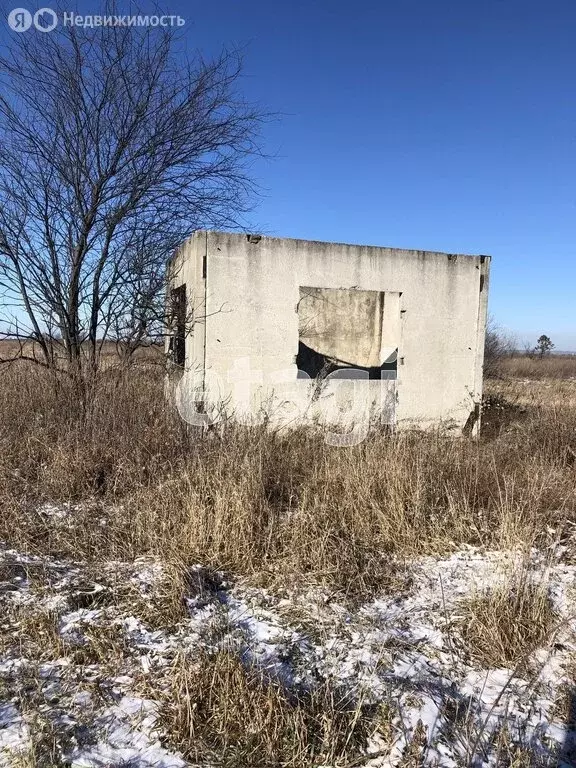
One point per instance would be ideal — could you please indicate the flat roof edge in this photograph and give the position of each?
(225, 233)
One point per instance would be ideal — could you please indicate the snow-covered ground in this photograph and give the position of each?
(402, 648)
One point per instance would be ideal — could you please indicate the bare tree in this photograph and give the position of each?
(114, 148)
(498, 345)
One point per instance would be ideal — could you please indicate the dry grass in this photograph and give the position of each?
(548, 367)
(501, 627)
(159, 608)
(413, 756)
(36, 632)
(509, 754)
(51, 735)
(278, 508)
(218, 708)
(271, 505)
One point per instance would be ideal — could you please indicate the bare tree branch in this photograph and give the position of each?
(114, 149)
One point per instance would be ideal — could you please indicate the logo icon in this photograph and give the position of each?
(19, 20)
(45, 20)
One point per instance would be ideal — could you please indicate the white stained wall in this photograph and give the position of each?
(242, 350)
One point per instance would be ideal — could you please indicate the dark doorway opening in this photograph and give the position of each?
(178, 340)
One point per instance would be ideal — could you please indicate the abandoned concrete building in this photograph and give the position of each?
(326, 333)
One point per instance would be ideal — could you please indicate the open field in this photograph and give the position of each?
(262, 599)
(549, 367)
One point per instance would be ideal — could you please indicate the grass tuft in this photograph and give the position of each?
(219, 708)
(504, 625)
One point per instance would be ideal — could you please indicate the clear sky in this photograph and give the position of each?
(420, 124)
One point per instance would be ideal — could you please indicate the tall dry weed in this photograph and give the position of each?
(263, 503)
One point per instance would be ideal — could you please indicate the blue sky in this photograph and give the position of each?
(436, 125)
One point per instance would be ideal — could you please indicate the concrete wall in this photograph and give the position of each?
(245, 338)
